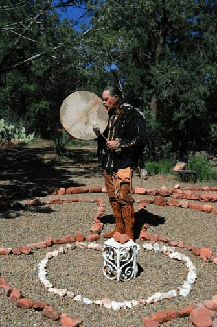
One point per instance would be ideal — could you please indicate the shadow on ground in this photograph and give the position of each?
(27, 172)
(141, 217)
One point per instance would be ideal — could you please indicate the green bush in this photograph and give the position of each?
(8, 132)
(163, 166)
(205, 170)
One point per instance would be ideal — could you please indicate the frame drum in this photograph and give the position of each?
(79, 111)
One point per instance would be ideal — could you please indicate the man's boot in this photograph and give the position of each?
(128, 215)
(118, 219)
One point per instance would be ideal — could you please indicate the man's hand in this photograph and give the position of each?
(96, 129)
(112, 144)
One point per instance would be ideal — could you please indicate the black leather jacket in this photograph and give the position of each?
(127, 125)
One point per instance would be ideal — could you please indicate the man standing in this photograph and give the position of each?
(119, 148)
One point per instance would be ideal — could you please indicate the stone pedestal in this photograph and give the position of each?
(120, 260)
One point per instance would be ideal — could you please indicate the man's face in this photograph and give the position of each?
(109, 101)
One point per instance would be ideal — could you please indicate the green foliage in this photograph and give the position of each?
(160, 167)
(8, 132)
(204, 168)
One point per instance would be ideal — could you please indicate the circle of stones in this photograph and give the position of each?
(184, 290)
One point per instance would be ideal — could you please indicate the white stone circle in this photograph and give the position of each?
(183, 290)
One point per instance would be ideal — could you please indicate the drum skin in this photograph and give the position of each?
(79, 111)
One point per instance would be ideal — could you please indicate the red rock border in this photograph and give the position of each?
(204, 315)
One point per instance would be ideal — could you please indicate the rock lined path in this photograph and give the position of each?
(185, 218)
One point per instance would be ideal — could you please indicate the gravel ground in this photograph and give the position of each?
(27, 173)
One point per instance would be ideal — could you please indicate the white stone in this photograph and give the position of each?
(148, 246)
(186, 285)
(61, 292)
(61, 250)
(191, 277)
(156, 247)
(94, 246)
(184, 292)
(49, 255)
(55, 253)
(116, 305)
(78, 297)
(87, 301)
(68, 246)
(134, 303)
(128, 304)
(170, 294)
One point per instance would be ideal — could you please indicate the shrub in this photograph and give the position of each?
(8, 132)
(205, 170)
(163, 166)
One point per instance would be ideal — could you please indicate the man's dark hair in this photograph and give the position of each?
(113, 91)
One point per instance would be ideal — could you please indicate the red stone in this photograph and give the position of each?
(16, 251)
(150, 323)
(51, 313)
(151, 191)
(213, 197)
(3, 283)
(200, 317)
(210, 305)
(196, 251)
(165, 192)
(205, 253)
(96, 228)
(173, 243)
(172, 203)
(37, 245)
(61, 191)
(57, 241)
(5, 251)
(207, 208)
(56, 201)
(15, 295)
(24, 303)
(35, 202)
(68, 321)
(148, 201)
(48, 241)
(25, 249)
(95, 190)
(185, 312)
(79, 237)
(77, 190)
(141, 205)
(163, 239)
(213, 188)
(205, 188)
(120, 238)
(159, 201)
(154, 238)
(67, 239)
(183, 204)
(39, 305)
(139, 190)
(204, 197)
(195, 206)
(93, 237)
(144, 235)
(165, 315)
(178, 196)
